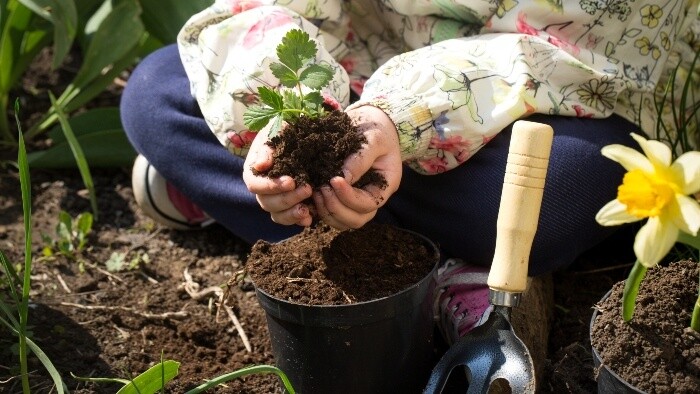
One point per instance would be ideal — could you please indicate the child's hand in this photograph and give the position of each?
(343, 206)
(280, 196)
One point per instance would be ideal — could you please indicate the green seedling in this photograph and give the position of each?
(118, 261)
(296, 69)
(71, 235)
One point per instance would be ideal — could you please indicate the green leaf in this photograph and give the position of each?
(22, 38)
(102, 149)
(629, 294)
(254, 369)
(314, 98)
(104, 49)
(53, 372)
(316, 76)
(276, 126)
(286, 76)
(77, 154)
(255, 118)
(292, 101)
(115, 263)
(91, 121)
(295, 49)
(270, 98)
(64, 17)
(83, 227)
(153, 379)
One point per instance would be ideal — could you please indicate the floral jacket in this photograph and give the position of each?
(450, 74)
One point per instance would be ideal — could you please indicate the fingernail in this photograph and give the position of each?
(348, 176)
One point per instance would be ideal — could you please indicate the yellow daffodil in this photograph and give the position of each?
(656, 189)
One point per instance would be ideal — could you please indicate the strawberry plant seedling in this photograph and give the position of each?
(296, 69)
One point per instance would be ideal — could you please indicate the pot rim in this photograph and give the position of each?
(596, 355)
(360, 312)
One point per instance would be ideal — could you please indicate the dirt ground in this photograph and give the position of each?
(93, 322)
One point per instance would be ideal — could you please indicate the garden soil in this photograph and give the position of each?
(166, 300)
(667, 351)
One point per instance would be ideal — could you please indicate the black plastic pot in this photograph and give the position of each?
(380, 346)
(608, 381)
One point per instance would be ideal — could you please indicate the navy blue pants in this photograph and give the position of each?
(456, 209)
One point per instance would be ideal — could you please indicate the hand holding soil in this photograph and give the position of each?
(346, 204)
(350, 161)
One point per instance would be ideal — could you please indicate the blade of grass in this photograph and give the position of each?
(11, 276)
(77, 153)
(23, 306)
(255, 369)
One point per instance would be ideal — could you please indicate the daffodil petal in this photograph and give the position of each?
(614, 213)
(628, 158)
(654, 240)
(687, 166)
(688, 219)
(657, 152)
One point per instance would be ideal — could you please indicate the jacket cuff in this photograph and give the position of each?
(411, 116)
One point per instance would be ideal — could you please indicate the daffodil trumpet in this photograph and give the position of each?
(660, 190)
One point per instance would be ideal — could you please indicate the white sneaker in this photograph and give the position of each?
(158, 199)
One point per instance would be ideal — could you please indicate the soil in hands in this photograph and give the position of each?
(324, 266)
(313, 150)
(656, 351)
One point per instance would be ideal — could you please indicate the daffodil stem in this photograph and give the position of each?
(690, 240)
(629, 294)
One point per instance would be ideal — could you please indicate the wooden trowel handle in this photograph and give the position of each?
(521, 198)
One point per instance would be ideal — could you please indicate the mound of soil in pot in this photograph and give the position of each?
(324, 266)
(656, 351)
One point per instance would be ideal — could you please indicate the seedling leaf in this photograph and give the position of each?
(153, 379)
(295, 49)
(255, 118)
(316, 76)
(314, 98)
(276, 126)
(286, 76)
(270, 97)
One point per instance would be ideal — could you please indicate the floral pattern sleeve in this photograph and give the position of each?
(450, 98)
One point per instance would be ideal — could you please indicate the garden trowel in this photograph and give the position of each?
(494, 358)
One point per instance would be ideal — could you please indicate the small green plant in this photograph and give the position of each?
(155, 378)
(296, 70)
(71, 235)
(118, 261)
(15, 311)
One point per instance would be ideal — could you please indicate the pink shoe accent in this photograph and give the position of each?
(187, 208)
(461, 299)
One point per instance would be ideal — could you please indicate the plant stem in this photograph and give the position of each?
(5, 135)
(629, 294)
(692, 241)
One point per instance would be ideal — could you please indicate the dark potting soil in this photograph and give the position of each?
(324, 266)
(656, 351)
(313, 150)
